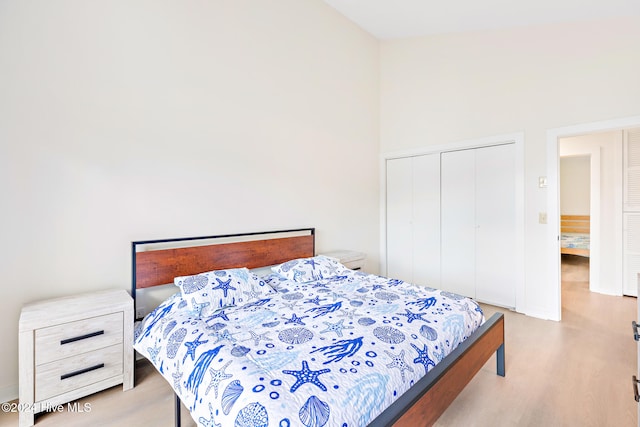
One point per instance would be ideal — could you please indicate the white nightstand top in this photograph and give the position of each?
(67, 309)
(351, 259)
(346, 255)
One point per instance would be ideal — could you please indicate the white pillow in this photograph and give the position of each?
(210, 291)
(303, 270)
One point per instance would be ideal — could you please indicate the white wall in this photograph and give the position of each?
(126, 120)
(575, 185)
(454, 87)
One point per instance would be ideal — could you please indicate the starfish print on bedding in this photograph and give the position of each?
(257, 338)
(252, 293)
(347, 313)
(397, 361)
(209, 423)
(315, 300)
(225, 286)
(423, 357)
(217, 376)
(295, 320)
(224, 335)
(177, 376)
(191, 346)
(336, 327)
(412, 316)
(221, 315)
(198, 307)
(307, 376)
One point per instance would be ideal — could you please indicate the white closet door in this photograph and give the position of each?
(495, 225)
(631, 244)
(631, 214)
(426, 220)
(457, 186)
(631, 168)
(399, 218)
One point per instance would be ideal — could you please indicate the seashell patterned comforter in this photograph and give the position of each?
(332, 352)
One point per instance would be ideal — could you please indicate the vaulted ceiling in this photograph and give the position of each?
(391, 19)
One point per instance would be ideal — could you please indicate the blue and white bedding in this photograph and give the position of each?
(330, 349)
(574, 240)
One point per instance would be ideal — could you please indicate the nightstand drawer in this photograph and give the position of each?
(69, 339)
(61, 376)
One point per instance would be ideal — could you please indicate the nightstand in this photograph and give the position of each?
(350, 259)
(73, 346)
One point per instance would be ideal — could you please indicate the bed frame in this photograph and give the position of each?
(575, 224)
(421, 405)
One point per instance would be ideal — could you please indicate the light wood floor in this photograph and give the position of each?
(576, 372)
(571, 373)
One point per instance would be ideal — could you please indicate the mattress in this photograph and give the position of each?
(574, 240)
(330, 352)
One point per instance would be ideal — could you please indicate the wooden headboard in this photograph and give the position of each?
(158, 262)
(575, 224)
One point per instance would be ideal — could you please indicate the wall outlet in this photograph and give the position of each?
(542, 217)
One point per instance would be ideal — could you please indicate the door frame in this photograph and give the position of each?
(516, 138)
(553, 198)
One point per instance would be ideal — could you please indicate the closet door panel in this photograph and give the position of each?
(495, 225)
(426, 220)
(631, 212)
(631, 170)
(457, 188)
(631, 261)
(399, 218)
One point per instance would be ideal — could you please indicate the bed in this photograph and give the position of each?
(296, 345)
(574, 235)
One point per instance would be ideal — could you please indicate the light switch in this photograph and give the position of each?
(542, 181)
(542, 217)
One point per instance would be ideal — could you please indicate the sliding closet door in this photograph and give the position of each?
(631, 212)
(495, 225)
(399, 218)
(458, 222)
(631, 247)
(478, 223)
(413, 219)
(426, 220)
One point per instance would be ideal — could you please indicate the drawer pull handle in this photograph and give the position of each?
(636, 395)
(81, 337)
(81, 371)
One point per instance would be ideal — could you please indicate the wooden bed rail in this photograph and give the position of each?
(433, 394)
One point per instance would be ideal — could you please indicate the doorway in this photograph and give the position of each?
(575, 224)
(580, 183)
(553, 206)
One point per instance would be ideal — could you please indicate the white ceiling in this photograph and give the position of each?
(391, 19)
